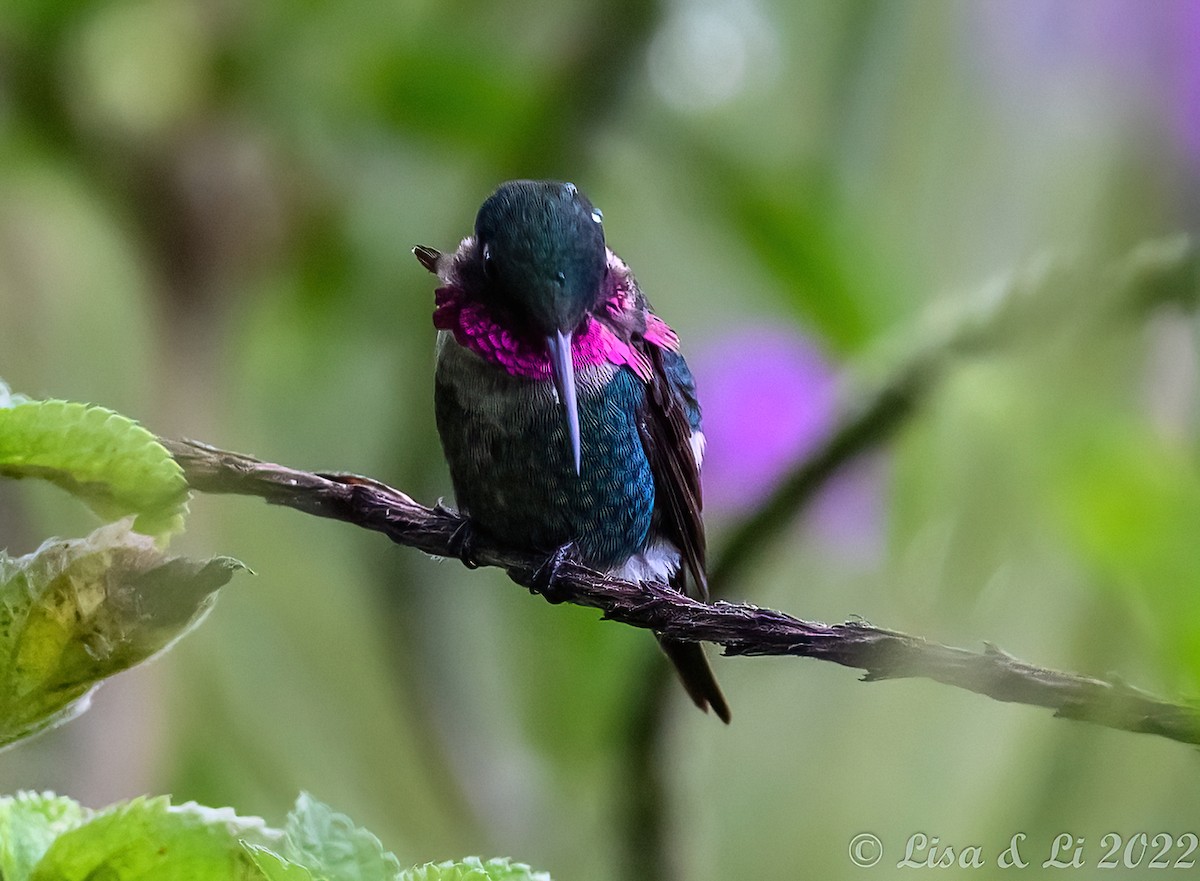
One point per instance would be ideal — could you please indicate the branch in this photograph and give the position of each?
(742, 629)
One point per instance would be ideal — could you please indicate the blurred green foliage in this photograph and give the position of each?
(206, 211)
(53, 838)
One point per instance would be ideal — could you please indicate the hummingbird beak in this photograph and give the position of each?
(562, 367)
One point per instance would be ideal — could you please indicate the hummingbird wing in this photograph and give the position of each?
(672, 421)
(672, 418)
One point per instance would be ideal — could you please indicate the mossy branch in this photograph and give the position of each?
(1051, 297)
(742, 629)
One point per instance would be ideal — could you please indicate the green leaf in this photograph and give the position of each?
(105, 459)
(274, 867)
(29, 823)
(51, 838)
(331, 846)
(474, 869)
(151, 840)
(77, 611)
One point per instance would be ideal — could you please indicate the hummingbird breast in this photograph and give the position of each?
(510, 460)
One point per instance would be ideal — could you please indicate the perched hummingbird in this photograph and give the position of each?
(567, 415)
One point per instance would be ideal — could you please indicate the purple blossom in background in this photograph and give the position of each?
(1186, 35)
(770, 397)
(848, 515)
(1136, 60)
(1123, 70)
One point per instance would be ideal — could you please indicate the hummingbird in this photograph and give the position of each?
(568, 417)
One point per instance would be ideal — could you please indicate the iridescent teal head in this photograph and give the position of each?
(541, 263)
(540, 246)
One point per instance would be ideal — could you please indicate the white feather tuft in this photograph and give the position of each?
(657, 563)
(698, 442)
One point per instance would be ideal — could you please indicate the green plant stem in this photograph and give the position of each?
(1049, 297)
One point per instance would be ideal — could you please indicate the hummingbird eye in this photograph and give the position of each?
(597, 215)
(489, 264)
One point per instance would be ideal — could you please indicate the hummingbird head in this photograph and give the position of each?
(541, 261)
(541, 256)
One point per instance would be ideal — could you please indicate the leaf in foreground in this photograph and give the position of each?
(276, 868)
(51, 838)
(333, 847)
(152, 840)
(109, 461)
(474, 869)
(75, 612)
(29, 824)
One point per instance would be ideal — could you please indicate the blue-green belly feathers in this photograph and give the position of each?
(510, 459)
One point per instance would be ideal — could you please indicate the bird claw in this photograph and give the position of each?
(545, 577)
(462, 544)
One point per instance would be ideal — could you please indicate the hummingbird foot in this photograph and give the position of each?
(546, 575)
(462, 544)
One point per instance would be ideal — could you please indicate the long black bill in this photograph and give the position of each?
(563, 369)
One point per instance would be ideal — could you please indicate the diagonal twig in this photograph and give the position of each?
(742, 629)
(1048, 297)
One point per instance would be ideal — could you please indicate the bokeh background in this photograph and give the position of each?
(206, 214)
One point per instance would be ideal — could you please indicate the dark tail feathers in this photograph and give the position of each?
(697, 676)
